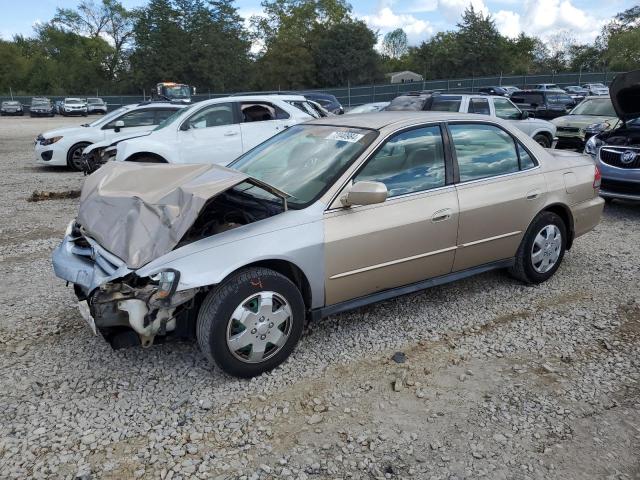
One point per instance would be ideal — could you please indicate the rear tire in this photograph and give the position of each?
(542, 249)
(251, 322)
(542, 140)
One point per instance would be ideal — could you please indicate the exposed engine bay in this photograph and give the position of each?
(622, 137)
(231, 209)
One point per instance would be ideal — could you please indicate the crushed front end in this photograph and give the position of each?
(126, 309)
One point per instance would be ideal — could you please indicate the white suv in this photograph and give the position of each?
(216, 131)
(540, 130)
(64, 146)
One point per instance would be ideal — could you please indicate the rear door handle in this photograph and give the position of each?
(533, 194)
(230, 134)
(442, 215)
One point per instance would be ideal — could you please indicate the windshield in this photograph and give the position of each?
(94, 100)
(602, 107)
(11, 103)
(109, 116)
(176, 91)
(73, 101)
(306, 107)
(305, 160)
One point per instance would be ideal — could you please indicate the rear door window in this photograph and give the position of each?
(483, 151)
(445, 103)
(479, 105)
(261, 112)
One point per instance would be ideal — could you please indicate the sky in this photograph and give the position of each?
(420, 19)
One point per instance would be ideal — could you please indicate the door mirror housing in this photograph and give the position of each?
(118, 125)
(364, 193)
(524, 115)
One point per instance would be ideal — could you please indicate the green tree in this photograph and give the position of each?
(193, 41)
(107, 19)
(395, 44)
(345, 54)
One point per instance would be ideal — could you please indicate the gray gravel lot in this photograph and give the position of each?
(501, 380)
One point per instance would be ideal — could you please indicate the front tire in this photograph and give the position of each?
(74, 156)
(542, 140)
(541, 250)
(251, 322)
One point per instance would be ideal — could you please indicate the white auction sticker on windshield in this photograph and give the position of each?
(344, 136)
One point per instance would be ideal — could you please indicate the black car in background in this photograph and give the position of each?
(11, 107)
(502, 92)
(41, 107)
(544, 103)
(326, 100)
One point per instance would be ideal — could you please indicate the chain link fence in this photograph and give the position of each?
(357, 95)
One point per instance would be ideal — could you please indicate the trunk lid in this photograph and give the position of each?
(139, 212)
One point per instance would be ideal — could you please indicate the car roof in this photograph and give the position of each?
(259, 98)
(397, 119)
(177, 106)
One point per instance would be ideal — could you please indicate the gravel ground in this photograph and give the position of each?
(498, 380)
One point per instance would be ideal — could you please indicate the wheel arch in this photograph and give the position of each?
(289, 270)
(564, 212)
(73, 146)
(135, 157)
(546, 133)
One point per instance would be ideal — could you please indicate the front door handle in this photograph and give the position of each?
(533, 194)
(442, 215)
(230, 134)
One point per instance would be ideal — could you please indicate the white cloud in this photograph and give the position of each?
(385, 20)
(453, 9)
(546, 17)
(508, 23)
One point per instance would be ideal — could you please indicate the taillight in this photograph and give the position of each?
(597, 178)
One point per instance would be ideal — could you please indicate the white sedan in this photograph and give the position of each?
(216, 131)
(64, 146)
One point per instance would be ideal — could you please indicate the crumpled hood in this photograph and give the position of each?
(625, 95)
(139, 212)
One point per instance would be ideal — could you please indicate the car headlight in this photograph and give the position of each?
(592, 146)
(167, 281)
(597, 127)
(49, 141)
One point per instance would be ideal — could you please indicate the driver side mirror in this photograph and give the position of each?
(118, 125)
(364, 193)
(524, 115)
(193, 91)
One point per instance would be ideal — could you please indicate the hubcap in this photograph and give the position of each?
(546, 249)
(259, 327)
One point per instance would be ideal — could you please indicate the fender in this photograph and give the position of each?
(127, 148)
(295, 236)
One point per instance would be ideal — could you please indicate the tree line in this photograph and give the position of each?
(100, 46)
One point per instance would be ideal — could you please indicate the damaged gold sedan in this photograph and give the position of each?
(325, 217)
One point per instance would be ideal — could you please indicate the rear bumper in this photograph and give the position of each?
(586, 215)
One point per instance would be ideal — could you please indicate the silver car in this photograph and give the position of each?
(617, 150)
(324, 217)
